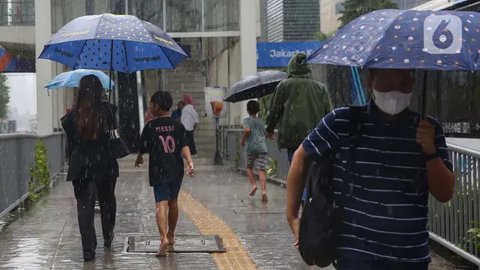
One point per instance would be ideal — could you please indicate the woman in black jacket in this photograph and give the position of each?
(92, 169)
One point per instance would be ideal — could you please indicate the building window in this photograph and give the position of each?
(17, 12)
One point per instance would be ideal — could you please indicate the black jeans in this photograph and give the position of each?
(191, 142)
(85, 193)
(380, 265)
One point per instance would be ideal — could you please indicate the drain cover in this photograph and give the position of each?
(183, 244)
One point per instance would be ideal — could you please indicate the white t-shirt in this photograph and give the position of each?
(189, 117)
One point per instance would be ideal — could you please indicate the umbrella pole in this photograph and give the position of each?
(110, 72)
(424, 94)
(218, 157)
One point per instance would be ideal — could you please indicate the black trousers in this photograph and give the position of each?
(85, 194)
(191, 142)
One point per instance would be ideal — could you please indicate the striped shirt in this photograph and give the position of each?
(385, 215)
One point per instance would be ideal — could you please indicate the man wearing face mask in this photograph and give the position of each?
(383, 183)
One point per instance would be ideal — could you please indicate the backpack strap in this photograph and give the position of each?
(355, 123)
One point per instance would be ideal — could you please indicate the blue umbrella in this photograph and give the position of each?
(410, 39)
(72, 79)
(121, 43)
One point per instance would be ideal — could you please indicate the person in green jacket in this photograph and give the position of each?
(297, 106)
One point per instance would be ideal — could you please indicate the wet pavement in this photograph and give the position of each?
(46, 236)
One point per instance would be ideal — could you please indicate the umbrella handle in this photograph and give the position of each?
(424, 94)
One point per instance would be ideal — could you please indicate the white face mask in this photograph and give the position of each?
(392, 102)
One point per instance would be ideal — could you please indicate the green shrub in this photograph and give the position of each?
(271, 167)
(39, 173)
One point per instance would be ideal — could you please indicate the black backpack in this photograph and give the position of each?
(320, 221)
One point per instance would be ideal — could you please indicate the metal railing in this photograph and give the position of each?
(449, 223)
(17, 12)
(17, 157)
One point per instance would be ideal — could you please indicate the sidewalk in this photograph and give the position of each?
(215, 201)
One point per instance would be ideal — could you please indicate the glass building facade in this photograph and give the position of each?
(170, 15)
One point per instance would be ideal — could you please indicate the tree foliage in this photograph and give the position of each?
(4, 96)
(354, 8)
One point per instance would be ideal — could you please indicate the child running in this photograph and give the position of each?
(164, 140)
(256, 148)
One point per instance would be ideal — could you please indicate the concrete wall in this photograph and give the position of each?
(44, 68)
(17, 34)
(328, 16)
(235, 74)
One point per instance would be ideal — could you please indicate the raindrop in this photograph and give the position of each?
(394, 48)
(425, 49)
(469, 21)
(397, 26)
(344, 36)
(362, 27)
(439, 62)
(344, 59)
(406, 61)
(410, 38)
(415, 19)
(429, 28)
(376, 59)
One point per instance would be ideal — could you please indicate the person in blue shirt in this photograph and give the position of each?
(177, 114)
(399, 159)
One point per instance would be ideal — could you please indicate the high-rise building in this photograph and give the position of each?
(288, 20)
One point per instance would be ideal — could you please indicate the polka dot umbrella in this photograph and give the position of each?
(409, 39)
(406, 39)
(121, 43)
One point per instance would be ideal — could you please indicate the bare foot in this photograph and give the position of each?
(264, 197)
(252, 193)
(162, 252)
(171, 240)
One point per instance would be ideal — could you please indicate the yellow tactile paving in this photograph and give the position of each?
(237, 256)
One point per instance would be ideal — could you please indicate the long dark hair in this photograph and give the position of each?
(89, 117)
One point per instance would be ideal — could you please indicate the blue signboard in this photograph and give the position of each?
(277, 54)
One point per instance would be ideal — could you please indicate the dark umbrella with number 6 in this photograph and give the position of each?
(406, 39)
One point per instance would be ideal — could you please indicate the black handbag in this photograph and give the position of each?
(118, 148)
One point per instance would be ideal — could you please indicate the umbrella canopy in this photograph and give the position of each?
(410, 39)
(121, 43)
(255, 86)
(72, 79)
